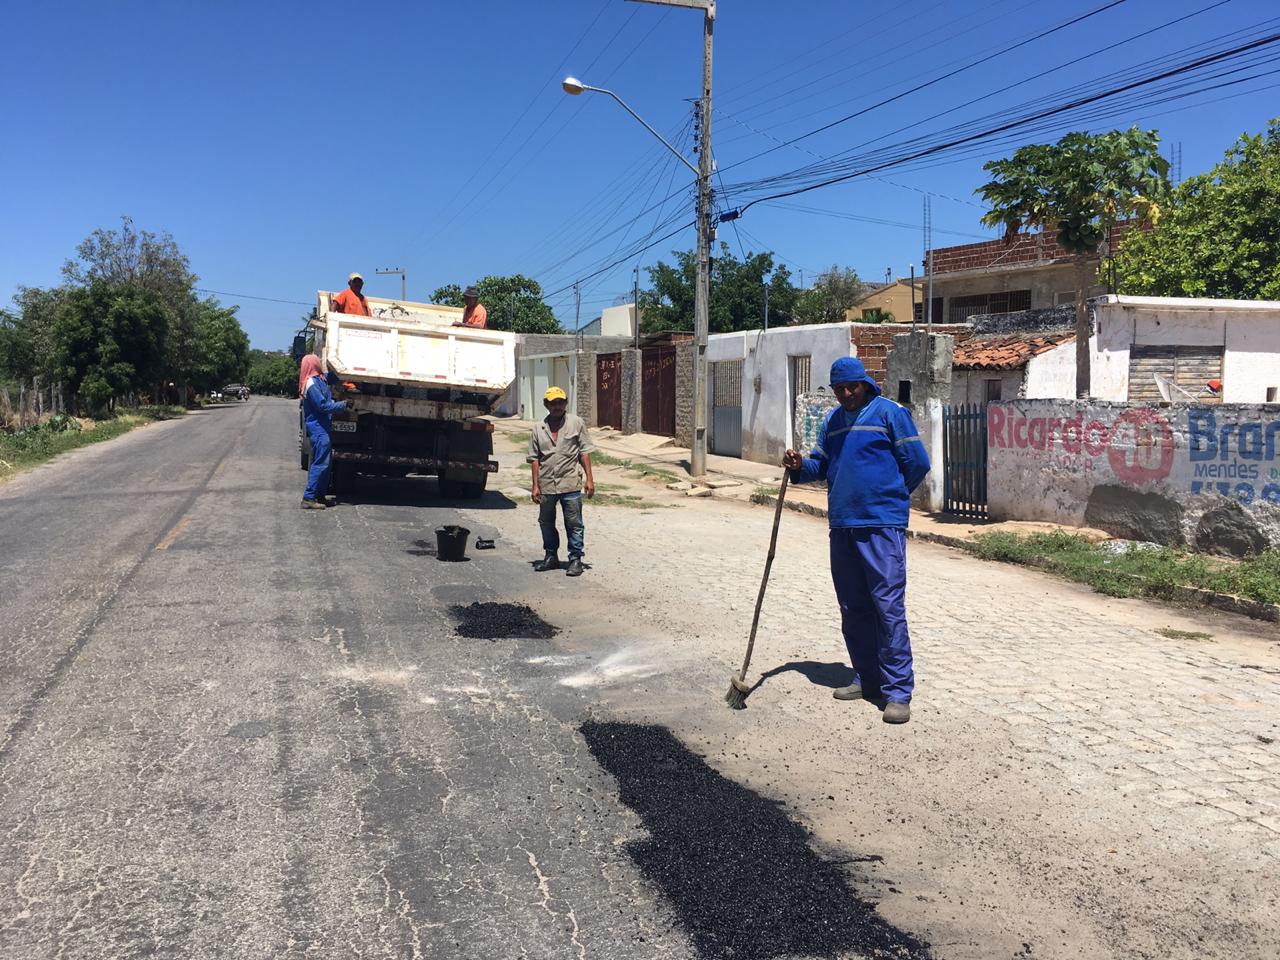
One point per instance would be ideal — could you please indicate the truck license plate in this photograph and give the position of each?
(344, 426)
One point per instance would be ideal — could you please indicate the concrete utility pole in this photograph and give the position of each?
(392, 271)
(766, 308)
(702, 289)
(635, 307)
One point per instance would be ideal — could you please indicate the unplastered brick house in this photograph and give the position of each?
(1031, 273)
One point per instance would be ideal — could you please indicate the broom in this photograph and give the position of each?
(738, 686)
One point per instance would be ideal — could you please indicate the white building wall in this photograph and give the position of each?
(1052, 374)
(767, 425)
(1247, 330)
(970, 386)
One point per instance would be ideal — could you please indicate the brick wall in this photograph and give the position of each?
(873, 341)
(1028, 248)
(630, 391)
(684, 393)
(586, 388)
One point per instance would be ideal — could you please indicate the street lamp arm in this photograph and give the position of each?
(574, 87)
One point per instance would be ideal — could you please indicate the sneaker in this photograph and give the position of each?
(549, 562)
(312, 504)
(575, 568)
(897, 711)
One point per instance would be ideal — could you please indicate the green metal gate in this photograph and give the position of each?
(964, 460)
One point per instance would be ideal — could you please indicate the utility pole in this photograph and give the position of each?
(766, 308)
(928, 246)
(913, 294)
(635, 306)
(702, 289)
(391, 272)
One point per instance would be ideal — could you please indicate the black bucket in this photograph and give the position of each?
(451, 543)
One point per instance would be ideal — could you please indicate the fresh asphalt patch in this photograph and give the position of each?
(738, 872)
(501, 621)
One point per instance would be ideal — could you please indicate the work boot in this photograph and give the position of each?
(575, 568)
(312, 504)
(855, 692)
(550, 562)
(897, 711)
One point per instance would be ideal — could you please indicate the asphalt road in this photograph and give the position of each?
(232, 728)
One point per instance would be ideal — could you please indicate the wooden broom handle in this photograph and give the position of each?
(768, 564)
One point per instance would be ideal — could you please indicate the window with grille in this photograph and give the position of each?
(1006, 301)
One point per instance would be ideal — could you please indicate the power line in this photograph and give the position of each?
(946, 76)
(1024, 121)
(249, 296)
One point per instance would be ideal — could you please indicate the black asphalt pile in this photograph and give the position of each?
(738, 871)
(502, 621)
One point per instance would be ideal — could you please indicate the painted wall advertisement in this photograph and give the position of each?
(1056, 451)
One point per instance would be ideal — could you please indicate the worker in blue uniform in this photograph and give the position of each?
(318, 407)
(871, 455)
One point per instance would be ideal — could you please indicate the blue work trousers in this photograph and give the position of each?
(571, 505)
(869, 569)
(318, 475)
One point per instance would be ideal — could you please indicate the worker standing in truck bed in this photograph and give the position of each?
(473, 314)
(351, 300)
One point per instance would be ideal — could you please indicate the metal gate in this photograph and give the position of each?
(726, 408)
(964, 460)
(658, 391)
(609, 390)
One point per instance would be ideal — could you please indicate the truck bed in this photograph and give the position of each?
(415, 345)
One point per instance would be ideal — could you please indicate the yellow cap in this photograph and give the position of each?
(354, 276)
(555, 393)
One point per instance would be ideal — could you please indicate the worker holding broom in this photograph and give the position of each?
(871, 455)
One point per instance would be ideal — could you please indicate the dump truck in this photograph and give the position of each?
(421, 384)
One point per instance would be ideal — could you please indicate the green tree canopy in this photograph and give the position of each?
(1081, 186)
(223, 354)
(28, 347)
(110, 342)
(272, 372)
(737, 293)
(513, 303)
(1220, 235)
(125, 257)
(833, 293)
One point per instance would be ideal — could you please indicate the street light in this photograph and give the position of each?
(702, 288)
(573, 86)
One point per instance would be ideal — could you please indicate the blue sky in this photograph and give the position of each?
(286, 144)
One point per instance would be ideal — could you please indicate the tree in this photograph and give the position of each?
(144, 261)
(737, 293)
(832, 294)
(274, 373)
(1220, 233)
(110, 342)
(27, 344)
(223, 354)
(513, 303)
(1082, 186)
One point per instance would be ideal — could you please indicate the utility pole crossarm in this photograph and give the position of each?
(709, 6)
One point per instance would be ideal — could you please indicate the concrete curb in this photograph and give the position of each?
(1191, 596)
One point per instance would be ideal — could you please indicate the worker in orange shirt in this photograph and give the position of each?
(351, 300)
(474, 314)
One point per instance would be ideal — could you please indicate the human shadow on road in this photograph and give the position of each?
(819, 674)
(738, 872)
(416, 492)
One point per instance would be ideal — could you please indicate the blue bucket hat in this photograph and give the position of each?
(851, 370)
